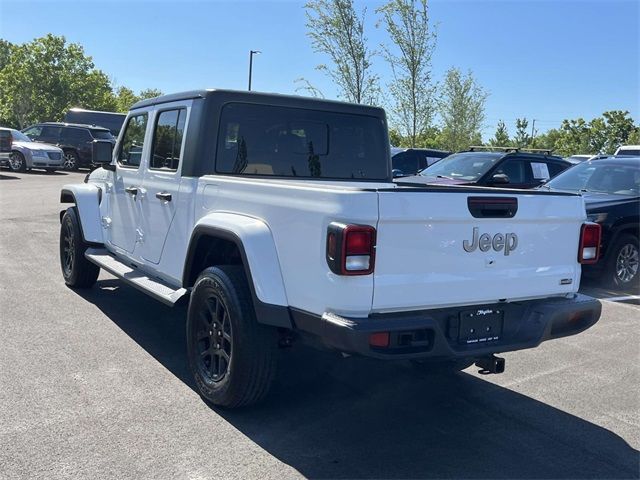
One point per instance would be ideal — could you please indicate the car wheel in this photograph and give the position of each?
(623, 267)
(17, 163)
(439, 367)
(77, 271)
(70, 160)
(231, 356)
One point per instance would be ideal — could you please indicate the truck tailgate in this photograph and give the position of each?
(422, 260)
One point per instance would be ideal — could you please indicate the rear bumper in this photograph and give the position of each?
(435, 333)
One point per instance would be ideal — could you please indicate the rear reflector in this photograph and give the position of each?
(589, 249)
(379, 339)
(351, 249)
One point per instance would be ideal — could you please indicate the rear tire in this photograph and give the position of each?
(623, 270)
(78, 272)
(17, 162)
(231, 356)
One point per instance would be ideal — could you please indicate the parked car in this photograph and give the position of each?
(409, 161)
(27, 154)
(610, 188)
(509, 168)
(632, 150)
(110, 120)
(74, 139)
(283, 223)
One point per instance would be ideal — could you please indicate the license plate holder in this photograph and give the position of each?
(480, 326)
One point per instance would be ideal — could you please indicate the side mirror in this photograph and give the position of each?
(500, 179)
(397, 173)
(102, 154)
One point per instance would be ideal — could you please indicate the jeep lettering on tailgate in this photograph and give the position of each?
(508, 242)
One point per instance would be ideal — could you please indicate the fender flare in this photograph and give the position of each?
(87, 198)
(256, 246)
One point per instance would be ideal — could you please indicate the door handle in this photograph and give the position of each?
(131, 190)
(164, 196)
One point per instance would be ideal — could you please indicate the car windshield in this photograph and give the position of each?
(599, 177)
(19, 136)
(469, 166)
(101, 134)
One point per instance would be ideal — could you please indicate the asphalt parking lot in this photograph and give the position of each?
(95, 384)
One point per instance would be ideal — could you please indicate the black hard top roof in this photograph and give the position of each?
(260, 97)
(77, 125)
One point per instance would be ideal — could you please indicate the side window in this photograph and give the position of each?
(555, 168)
(75, 136)
(407, 162)
(33, 132)
(515, 170)
(540, 171)
(167, 140)
(50, 134)
(130, 152)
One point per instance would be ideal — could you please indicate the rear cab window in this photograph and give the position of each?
(132, 145)
(267, 140)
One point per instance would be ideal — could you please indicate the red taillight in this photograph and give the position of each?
(351, 249)
(589, 249)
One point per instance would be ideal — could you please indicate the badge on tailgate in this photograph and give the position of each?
(480, 326)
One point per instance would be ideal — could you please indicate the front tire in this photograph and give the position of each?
(231, 356)
(70, 160)
(78, 272)
(623, 269)
(17, 162)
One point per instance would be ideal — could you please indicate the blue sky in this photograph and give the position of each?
(547, 60)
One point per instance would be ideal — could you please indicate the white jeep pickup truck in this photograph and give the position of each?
(278, 219)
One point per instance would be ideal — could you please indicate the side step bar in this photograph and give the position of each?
(154, 287)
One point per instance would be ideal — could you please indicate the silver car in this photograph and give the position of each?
(27, 154)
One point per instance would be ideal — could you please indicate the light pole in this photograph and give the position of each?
(251, 53)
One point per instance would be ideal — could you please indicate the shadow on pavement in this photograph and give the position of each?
(8, 177)
(333, 417)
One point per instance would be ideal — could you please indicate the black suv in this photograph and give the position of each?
(508, 168)
(74, 139)
(611, 191)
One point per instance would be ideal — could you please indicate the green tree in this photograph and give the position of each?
(618, 127)
(336, 30)
(43, 78)
(547, 140)
(521, 138)
(5, 52)
(149, 93)
(125, 97)
(634, 137)
(461, 108)
(574, 138)
(412, 92)
(501, 137)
